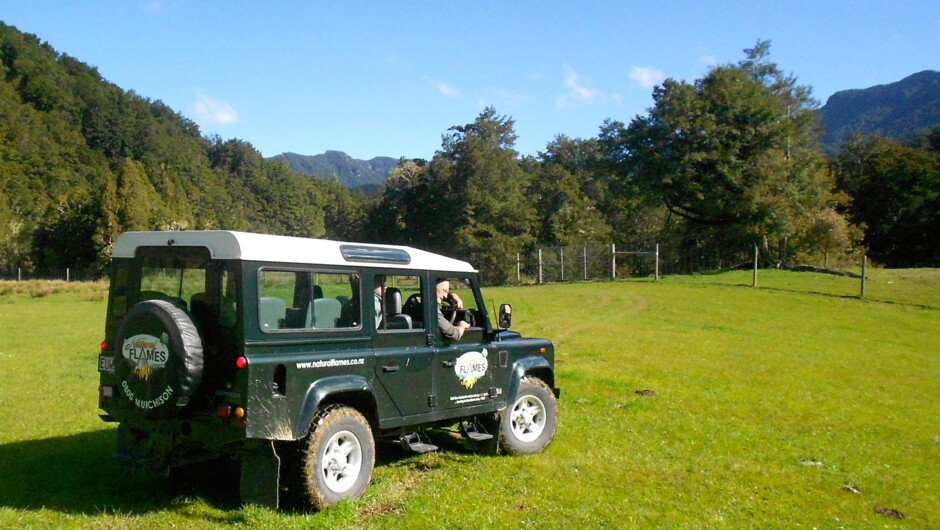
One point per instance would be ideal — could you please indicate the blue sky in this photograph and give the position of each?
(389, 78)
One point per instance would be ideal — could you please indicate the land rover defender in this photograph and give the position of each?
(293, 356)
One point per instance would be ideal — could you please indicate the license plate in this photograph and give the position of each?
(106, 364)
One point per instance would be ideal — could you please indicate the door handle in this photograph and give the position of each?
(390, 368)
(450, 364)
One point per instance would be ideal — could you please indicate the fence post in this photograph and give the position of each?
(68, 274)
(864, 273)
(613, 261)
(518, 268)
(584, 258)
(561, 252)
(754, 283)
(656, 271)
(540, 265)
(19, 274)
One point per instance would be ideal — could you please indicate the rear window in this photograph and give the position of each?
(175, 276)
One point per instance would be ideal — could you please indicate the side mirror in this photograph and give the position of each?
(505, 316)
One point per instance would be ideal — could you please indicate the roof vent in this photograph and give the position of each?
(367, 254)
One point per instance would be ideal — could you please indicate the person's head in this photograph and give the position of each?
(379, 285)
(443, 289)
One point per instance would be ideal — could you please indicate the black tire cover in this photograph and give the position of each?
(160, 359)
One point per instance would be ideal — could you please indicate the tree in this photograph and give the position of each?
(137, 201)
(483, 184)
(895, 193)
(64, 239)
(737, 148)
(564, 214)
(468, 201)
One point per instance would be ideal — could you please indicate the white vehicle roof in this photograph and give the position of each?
(223, 244)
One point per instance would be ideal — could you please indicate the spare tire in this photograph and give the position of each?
(161, 360)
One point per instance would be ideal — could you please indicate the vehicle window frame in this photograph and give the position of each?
(309, 270)
(475, 290)
(422, 291)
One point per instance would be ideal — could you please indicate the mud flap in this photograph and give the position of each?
(141, 450)
(260, 475)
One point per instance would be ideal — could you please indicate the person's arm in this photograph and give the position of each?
(449, 330)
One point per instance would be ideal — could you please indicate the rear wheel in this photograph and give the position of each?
(340, 455)
(528, 426)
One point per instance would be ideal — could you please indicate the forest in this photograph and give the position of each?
(726, 162)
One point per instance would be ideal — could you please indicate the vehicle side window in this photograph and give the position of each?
(307, 300)
(119, 292)
(397, 301)
(228, 311)
(460, 289)
(461, 302)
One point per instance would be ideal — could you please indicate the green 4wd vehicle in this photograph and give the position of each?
(293, 356)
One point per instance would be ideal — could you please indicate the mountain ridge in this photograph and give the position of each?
(896, 110)
(339, 166)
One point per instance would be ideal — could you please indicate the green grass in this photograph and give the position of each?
(791, 405)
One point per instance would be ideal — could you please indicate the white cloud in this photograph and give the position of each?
(706, 58)
(214, 112)
(647, 76)
(446, 89)
(579, 92)
(709, 60)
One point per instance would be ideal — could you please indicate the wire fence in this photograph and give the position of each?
(610, 261)
(585, 262)
(67, 274)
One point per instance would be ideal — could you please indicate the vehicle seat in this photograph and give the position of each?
(395, 318)
(271, 311)
(326, 312)
(199, 307)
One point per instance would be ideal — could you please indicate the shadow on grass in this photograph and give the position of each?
(77, 474)
(866, 298)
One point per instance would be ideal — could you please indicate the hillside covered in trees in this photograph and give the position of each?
(82, 160)
(718, 165)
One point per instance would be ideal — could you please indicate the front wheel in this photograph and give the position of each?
(339, 458)
(528, 426)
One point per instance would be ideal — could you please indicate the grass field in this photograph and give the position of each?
(791, 405)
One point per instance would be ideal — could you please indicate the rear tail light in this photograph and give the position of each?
(103, 346)
(224, 411)
(241, 363)
(106, 391)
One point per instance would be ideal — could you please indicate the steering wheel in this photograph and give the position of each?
(413, 302)
(467, 317)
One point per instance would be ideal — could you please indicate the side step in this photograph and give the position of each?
(474, 431)
(417, 442)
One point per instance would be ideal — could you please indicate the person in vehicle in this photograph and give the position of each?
(450, 331)
(379, 296)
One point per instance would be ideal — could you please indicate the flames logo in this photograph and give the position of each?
(147, 353)
(470, 367)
